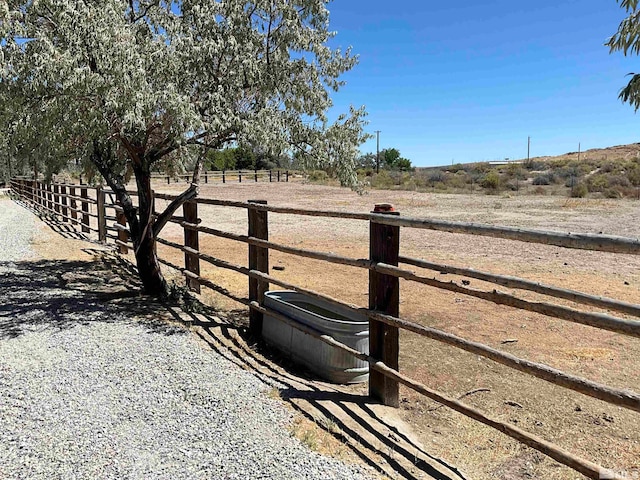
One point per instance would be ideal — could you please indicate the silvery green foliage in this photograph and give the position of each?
(161, 80)
(627, 40)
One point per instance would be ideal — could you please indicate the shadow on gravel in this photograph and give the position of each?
(63, 228)
(352, 417)
(62, 294)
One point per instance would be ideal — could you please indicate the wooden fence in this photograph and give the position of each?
(225, 176)
(90, 208)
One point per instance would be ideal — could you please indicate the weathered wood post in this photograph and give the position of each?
(49, 199)
(123, 236)
(85, 209)
(56, 198)
(255, 174)
(206, 177)
(102, 222)
(269, 176)
(74, 205)
(64, 201)
(223, 179)
(155, 215)
(239, 176)
(287, 175)
(41, 194)
(278, 175)
(191, 261)
(258, 260)
(384, 296)
(168, 180)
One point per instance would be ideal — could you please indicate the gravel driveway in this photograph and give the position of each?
(92, 385)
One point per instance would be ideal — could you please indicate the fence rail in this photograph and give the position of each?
(225, 176)
(383, 265)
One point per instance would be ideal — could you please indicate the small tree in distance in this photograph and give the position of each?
(135, 85)
(390, 159)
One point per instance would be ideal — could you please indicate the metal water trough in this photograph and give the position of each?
(346, 326)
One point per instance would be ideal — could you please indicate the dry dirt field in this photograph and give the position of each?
(593, 429)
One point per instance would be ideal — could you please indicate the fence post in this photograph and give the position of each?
(63, 200)
(102, 223)
(255, 174)
(49, 199)
(39, 190)
(258, 260)
(153, 213)
(269, 176)
(223, 180)
(239, 176)
(191, 262)
(384, 296)
(123, 236)
(74, 205)
(85, 210)
(56, 198)
(206, 177)
(287, 175)
(278, 175)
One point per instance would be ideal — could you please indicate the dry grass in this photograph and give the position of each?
(595, 430)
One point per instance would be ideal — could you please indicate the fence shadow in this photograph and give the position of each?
(345, 412)
(62, 228)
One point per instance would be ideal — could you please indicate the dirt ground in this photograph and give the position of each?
(607, 435)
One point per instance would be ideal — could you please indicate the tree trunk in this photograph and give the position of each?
(148, 267)
(144, 240)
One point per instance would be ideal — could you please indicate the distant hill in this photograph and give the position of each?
(612, 172)
(618, 152)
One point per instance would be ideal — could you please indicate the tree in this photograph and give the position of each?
(627, 40)
(134, 85)
(391, 159)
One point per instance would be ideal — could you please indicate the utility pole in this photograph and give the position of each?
(578, 151)
(378, 151)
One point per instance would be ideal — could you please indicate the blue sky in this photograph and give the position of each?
(470, 81)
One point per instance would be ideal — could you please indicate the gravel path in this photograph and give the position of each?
(91, 386)
(17, 228)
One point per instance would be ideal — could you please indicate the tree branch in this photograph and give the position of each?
(165, 216)
(116, 183)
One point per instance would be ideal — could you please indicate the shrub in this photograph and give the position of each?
(618, 181)
(437, 176)
(633, 174)
(318, 176)
(382, 180)
(612, 193)
(491, 180)
(597, 183)
(456, 168)
(579, 191)
(459, 180)
(609, 167)
(544, 179)
(364, 172)
(539, 191)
